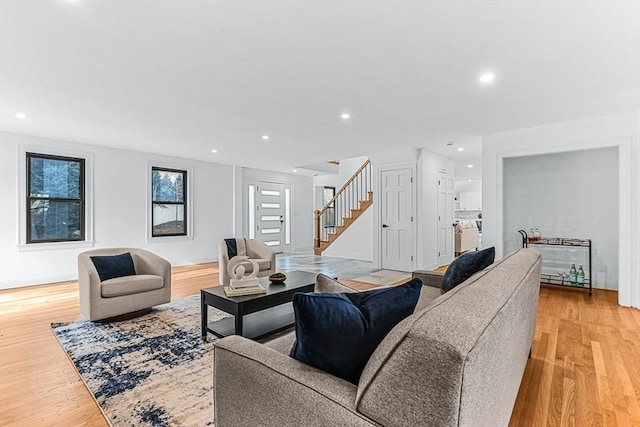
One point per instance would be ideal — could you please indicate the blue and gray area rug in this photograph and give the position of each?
(150, 371)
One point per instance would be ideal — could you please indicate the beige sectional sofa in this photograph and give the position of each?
(457, 361)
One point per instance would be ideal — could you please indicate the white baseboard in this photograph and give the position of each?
(356, 256)
(39, 280)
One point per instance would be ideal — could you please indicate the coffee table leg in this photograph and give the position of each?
(204, 315)
(238, 322)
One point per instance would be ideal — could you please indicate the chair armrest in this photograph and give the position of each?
(254, 382)
(258, 249)
(223, 261)
(88, 280)
(429, 277)
(150, 263)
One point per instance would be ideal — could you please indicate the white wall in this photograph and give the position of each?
(566, 195)
(429, 165)
(474, 186)
(620, 131)
(302, 199)
(357, 241)
(119, 213)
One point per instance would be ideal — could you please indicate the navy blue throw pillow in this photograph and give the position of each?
(466, 265)
(338, 332)
(110, 267)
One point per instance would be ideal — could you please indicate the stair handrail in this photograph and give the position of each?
(344, 187)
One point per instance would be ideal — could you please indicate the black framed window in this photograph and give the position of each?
(328, 194)
(55, 198)
(168, 202)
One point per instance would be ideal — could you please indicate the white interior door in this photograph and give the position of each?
(446, 188)
(270, 214)
(396, 219)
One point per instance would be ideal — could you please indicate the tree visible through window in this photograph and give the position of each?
(168, 200)
(55, 198)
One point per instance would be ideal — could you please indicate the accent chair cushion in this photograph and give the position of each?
(465, 266)
(338, 332)
(112, 266)
(129, 285)
(263, 264)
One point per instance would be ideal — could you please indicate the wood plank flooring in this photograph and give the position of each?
(585, 363)
(584, 369)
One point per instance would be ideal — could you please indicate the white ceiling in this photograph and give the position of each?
(183, 77)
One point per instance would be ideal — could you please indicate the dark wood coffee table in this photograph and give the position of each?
(255, 316)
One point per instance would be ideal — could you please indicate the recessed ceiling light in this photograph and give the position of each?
(486, 78)
(345, 116)
(469, 180)
(22, 116)
(265, 137)
(214, 151)
(469, 165)
(461, 149)
(295, 170)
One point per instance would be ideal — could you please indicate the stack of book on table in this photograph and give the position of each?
(238, 288)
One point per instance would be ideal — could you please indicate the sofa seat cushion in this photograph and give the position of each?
(128, 285)
(465, 266)
(338, 332)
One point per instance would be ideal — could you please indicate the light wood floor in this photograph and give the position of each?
(584, 369)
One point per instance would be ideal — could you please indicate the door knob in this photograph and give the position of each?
(385, 226)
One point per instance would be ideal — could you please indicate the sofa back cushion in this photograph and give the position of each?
(460, 360)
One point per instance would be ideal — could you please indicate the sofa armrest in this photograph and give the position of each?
(253, 382)
(429, 277)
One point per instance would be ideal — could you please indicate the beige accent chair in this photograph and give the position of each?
(256, 250)
(101, 300)
(467, 238)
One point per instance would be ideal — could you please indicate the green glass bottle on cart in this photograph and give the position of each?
(573, 275)
(580, 277)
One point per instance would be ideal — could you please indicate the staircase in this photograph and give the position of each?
(344, 209)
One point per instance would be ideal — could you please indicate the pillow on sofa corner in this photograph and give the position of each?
(112, 266)
(465, 266)
(338, 332)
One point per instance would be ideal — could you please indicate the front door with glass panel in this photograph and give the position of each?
(267, 213)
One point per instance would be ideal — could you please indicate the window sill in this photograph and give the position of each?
(51, 246)
(163, 239)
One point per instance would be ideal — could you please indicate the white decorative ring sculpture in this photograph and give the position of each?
(237, 270)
